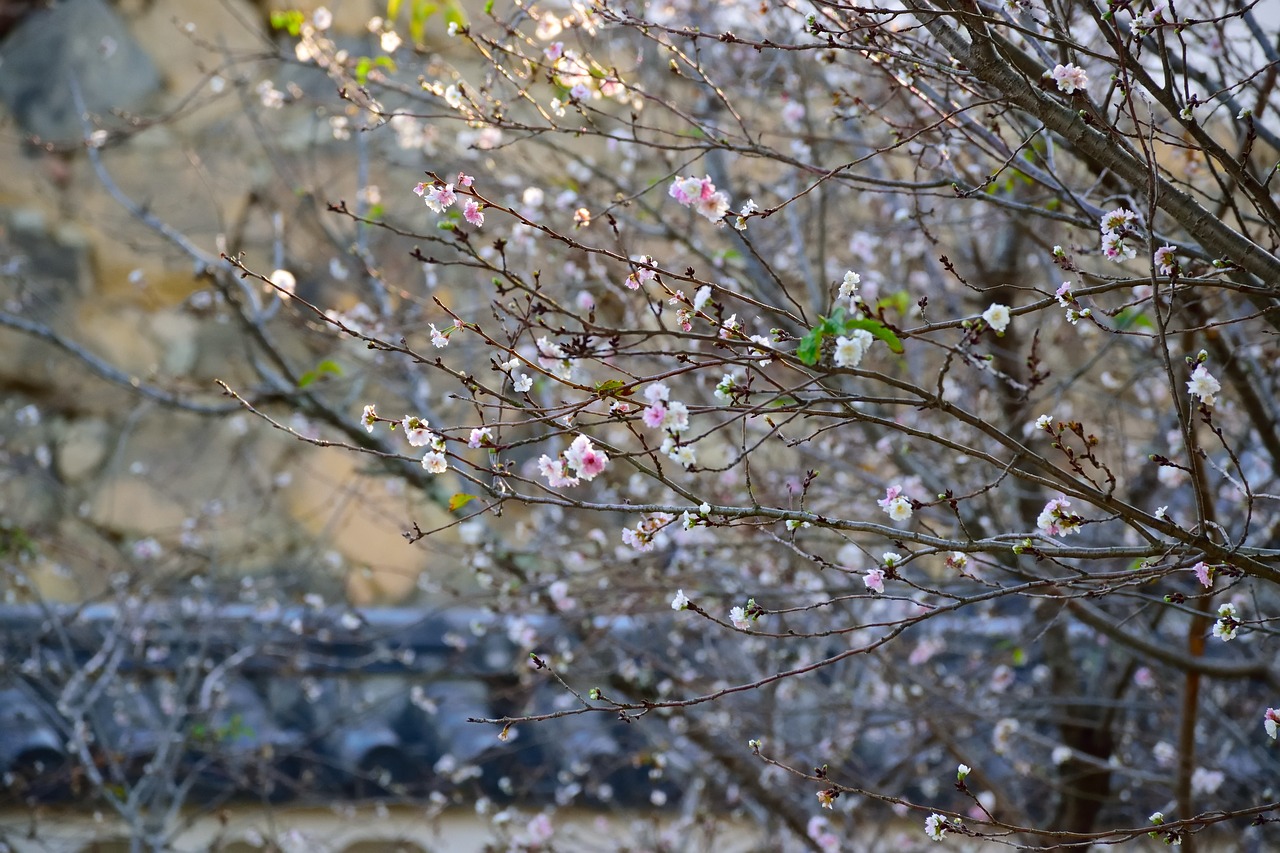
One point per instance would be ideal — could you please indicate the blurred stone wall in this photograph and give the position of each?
(100, 480)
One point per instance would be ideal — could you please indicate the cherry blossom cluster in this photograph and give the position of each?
(439, 197)
(936, 826)
(1056, 518)
(1068, 300)
(849, 351)
(1227, 626)
(642, 275)
(672, 417)
(582, 458)
(644, 536)
(895, 504)
(849, 285)
(1154, 17)
(1069, 78)
(417, 433)
(1118, 228)
(701, 195)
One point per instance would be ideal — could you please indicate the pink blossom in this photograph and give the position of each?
(642, 537)
(1119, 219)
(641, 276)
(637, 539)
(1056, 519)
(688, 190)
(540, 829)
(465, 180)
(585, 459)
(554, 51)
(440, 197)
(654, 415)
(676, 420)
(874, 580)
(700, 194)
(472, 212)
(898, 507)
(1165, 260)
(1271, 721)
(556, 472)
(713, 207)
(657, 392)
(480, 437)
(1204, 574)
(1115, 247)
(1069, 78)
(1064, 294)
(925, 650)
(435, 462)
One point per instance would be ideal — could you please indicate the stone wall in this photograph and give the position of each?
(104, 480)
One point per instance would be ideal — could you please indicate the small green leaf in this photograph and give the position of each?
(363, 64)
(610, 388)
(460, 500)
(393, 9)
(290, 21)
(810, 346)
(1019, 656)
(453, 14)
(879, 330)
(329, 367)
(1128, 318)
(488, 7)
(307, 378)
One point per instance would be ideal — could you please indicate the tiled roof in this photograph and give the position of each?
(295, 702)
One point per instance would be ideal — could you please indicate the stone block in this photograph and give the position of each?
(82, 41)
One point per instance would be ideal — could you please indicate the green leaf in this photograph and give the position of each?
(363, 64)
(1019, 656)
(610, 388)
(422, 9)
(289, 21)
(810, 346)
(328, 367)
(460, 500)
(393, 9)
(878, 329)
(488, 7)
(453, 14)
(1128, 318)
